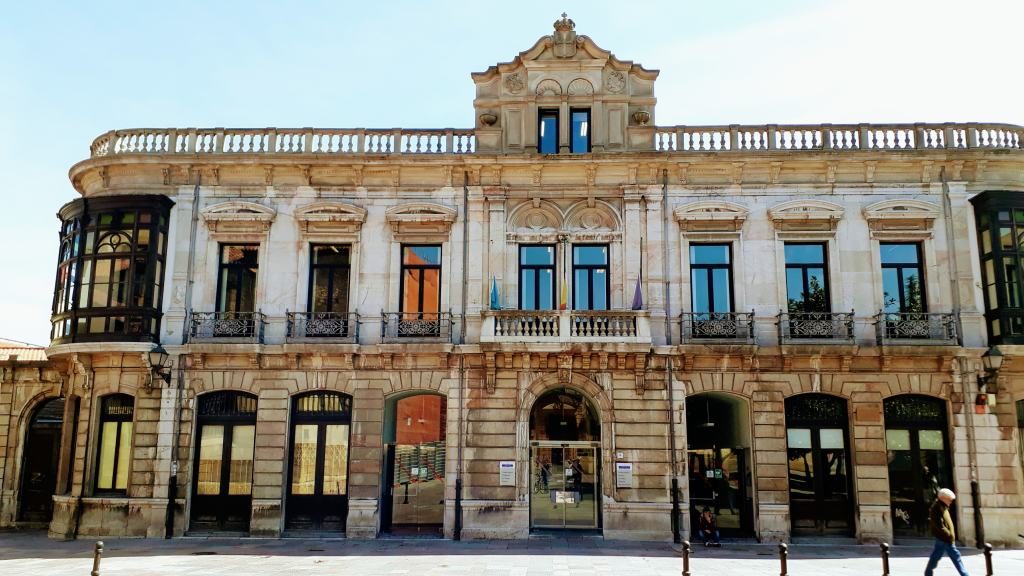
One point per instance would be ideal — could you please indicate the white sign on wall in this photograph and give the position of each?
(624, 474)
(507, 473)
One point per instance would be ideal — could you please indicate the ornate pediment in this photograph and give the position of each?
(422, 218)
(900, 215)
(330, 218)
(806, 215)
(238, 216)
(710, 216)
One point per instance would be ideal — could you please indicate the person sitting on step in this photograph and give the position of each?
(708, 529)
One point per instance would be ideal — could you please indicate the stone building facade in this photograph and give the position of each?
(565, 317)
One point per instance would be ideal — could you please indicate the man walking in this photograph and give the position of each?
(945, 535)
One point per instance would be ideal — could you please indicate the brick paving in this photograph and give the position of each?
(33, 554)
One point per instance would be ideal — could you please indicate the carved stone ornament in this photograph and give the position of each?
(896, 216)
(514, 83)
(581, 87)
(330, 218)
(238, 216)
(564, 38)
(423, 218)
(549, 87)
(488, 119)
(806, 215)
(615, 82)
(711, 216)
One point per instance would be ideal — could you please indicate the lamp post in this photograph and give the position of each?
(158, 363)
(992, 361)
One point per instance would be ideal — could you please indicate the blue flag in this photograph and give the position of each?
(495, 302)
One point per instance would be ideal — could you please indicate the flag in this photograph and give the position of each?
(495, 301)
(563, 301)
(638, 298)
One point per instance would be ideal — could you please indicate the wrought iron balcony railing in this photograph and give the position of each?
(820, 327)
(916, 328)
(335, 326)
(732, 327)
(411, 326)
(239, 326)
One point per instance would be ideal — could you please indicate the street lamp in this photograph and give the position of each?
(991, 361)
(159, 363)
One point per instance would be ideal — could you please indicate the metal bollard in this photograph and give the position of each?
(783, 556)
(885, 558)
(96, 559)
(988, 559)
(686, 558)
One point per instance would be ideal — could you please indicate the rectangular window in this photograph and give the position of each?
(590, 285)
(580, 130)
(547, 131)
(115, 443)
(537, 277)
(421, 280)
(329, 278)
(806, 278)
(711, 277)
(902, 278)
(236, 283)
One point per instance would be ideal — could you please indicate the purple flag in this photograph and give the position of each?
(638, 297)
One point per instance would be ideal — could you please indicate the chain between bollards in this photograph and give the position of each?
(686, 558)
(783, 556)
(96, 559)
(885, 558)
(988, 559)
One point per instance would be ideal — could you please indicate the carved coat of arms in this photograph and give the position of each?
(565, 38)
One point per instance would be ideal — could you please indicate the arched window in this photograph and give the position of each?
(318, 474)
(110, 269)
(115, 443)
(226, 436)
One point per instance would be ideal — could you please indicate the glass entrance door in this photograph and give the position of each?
(564, 481)
(414, 493)
(819, 466)
(318, 483)
(222, 479)
(42, 453)
(717, 483)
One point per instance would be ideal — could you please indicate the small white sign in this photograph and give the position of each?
(565, 497)
(624, 474)
(507, 473)
(415, 472)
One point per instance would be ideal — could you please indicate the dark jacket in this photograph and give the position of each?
(941, 522)
(706, 525)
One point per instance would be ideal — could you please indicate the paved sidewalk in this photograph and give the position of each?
(33, 554)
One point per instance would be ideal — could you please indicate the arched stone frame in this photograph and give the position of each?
(600, 400)
(328, 222)
(22, 421)
(712, 222)
(531, 222)
(92, 450)
(910, 221)
(231, 222)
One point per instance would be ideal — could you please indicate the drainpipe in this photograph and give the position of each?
(963, 366)
(457, 529)
(172, 478)
(676, 537)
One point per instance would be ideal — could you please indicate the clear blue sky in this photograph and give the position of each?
(72, 70)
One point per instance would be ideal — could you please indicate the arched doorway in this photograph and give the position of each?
(414, 486)
(222, 475)
(719, 461)
(820, 483)
(565, 463)
(318, 475)
(42, 457)
(918, 458)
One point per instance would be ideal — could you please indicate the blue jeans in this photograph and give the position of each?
(705, 538)
(941, 548)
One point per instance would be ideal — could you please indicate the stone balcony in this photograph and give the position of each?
(566, 326)
(329, 142)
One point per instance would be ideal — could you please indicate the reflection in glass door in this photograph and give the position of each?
(318, 474)
(919, 466)
(717, 483)
(415, 492)
(564, 485)
(222, 479)
(819, 472)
